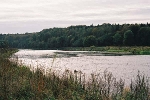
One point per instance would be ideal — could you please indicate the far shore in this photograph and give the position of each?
(112, 50)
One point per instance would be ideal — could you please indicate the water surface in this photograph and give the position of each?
(125, 67)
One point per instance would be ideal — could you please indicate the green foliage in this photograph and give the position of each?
(145, 52)
(105, 40)
(128, 38)
(5, 52)
(81, 35)
(90, 41)
(144, 36)
(3, 44)
(117, 39)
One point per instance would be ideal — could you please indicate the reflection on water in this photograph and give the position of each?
(125, 67)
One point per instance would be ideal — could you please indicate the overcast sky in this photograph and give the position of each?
(20, 16)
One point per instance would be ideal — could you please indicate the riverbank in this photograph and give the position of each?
(123, 50)
(7, 52)
(18, 82)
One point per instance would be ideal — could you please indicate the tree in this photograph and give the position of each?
(90, 41)
(52, 43)
(78, 43)
(105, 40)
(117, 39)
(3, 44)
(135, 28)
(144, 36)
(128, 38)
(82, 35)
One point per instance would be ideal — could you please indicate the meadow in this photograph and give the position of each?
(18, 82)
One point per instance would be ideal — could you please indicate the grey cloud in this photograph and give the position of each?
(34, 15)
(139, 10)
(87, 15)
(145, 11)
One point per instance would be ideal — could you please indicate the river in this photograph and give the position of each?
(125, 66)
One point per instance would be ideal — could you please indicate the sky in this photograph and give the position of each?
(21, 16)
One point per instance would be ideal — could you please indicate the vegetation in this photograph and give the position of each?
(3, 44)
(5, 52)
(123, 50)
(82, 36)
(19, 83)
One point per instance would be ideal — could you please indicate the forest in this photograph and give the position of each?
(80, 36)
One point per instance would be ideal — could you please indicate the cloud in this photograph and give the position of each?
(21, 15)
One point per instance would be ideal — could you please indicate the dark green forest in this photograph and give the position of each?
(81, 36)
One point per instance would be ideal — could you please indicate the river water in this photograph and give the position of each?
(125, 67)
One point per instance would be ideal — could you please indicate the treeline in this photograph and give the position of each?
(82, 36)
(3, 44)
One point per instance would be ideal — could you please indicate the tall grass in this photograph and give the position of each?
(19, 83)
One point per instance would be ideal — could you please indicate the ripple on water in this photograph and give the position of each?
(125, 67)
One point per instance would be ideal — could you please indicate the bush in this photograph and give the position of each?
(145, 52)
